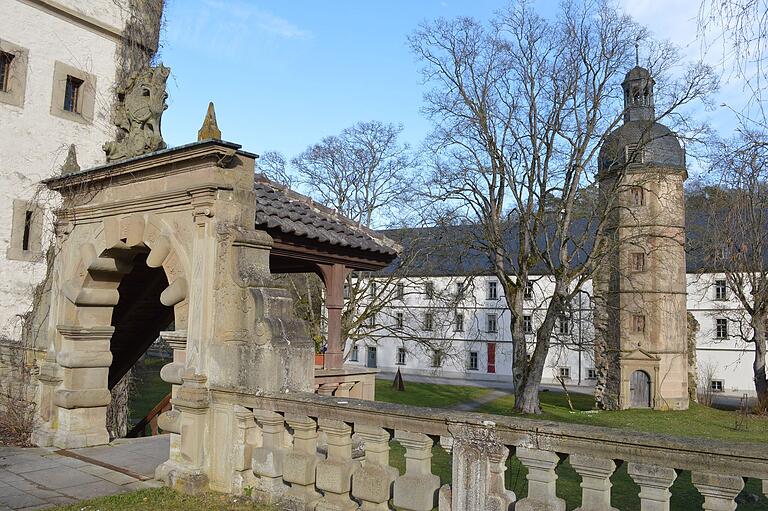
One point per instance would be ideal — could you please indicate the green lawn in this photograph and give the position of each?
(167, 500)
(699, 421)
(427, 394)
(148, 388)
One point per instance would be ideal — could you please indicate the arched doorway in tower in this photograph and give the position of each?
(138, 319)
(640, 390)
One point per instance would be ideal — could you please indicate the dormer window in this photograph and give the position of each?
(633, 154)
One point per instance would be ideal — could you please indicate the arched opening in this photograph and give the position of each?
(640, 390)
(138, 319)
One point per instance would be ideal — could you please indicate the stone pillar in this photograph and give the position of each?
(49, 378)
(654, 485)
(478, 469)
(83, 396)
(267, 460)
(300, 463)
(333, 277)
(595, 482)
(334, 475)
(719, 490)
(245, 427)
(170, 421)
(542, 479)
(372, 484)
(416, 490)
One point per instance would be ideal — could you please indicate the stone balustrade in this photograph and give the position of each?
(288, 467)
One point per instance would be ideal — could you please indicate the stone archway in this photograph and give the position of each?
(96, 330)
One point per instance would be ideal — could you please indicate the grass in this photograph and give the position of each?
(148, 388)
(698, 421)
(428, 394)
(167, 500)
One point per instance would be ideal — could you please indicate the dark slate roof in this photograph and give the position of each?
(660, 146)
(279, 208)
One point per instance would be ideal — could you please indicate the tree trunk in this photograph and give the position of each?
(758, 366)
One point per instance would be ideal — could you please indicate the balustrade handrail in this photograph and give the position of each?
(682, 453)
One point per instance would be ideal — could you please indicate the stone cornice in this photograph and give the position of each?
(62, 11)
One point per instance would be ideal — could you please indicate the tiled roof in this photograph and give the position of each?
(279, 208)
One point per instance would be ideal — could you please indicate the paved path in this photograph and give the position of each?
(37, 478)
(474, 404)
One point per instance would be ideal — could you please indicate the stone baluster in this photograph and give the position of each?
(500, 497)
(300, 462)
(542, 480)
(595, 482)
(267, 460)
(334, 475)
(245, 425)
(719, 490)
(372, 484)
(654, 485)
(416, 490)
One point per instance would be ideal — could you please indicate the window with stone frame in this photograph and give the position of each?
(401, 354)
(637, 196)
(721, 328)
(527, 324)
(74, 93)
(473, 361)
(458, 322)
(353, 356)
(399, 321)
(372, 289)
(429, 321)
(492, 290)
(400, 291)
(437, 358)
(26, 243)
(564, 373)
(717, 385)
(721, 290)
(637, 261)
(429, 290)
(13, 73)
(638, 323)
(591, 374)
(490, 323)
(563, 324)
(372, 319)
(528, 292)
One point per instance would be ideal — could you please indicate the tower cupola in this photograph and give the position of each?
(638, 95)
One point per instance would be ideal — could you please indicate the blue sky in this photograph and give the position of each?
(284, 74)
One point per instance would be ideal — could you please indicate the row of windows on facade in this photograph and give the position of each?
(491, 323)
(492, 290)
(71, 96)
(438, 357)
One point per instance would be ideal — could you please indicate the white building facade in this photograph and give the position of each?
(430, 329)
(58, 65)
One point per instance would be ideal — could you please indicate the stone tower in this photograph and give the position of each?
(641, 317)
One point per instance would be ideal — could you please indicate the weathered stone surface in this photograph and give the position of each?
(541, 477)
(595, 482)
(654, 482)
(209, 129)
(719, 490)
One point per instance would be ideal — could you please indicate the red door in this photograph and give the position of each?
(491, 357)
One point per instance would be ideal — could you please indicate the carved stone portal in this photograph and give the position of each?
(138, 111)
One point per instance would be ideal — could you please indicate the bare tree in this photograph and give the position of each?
(274, 165)
(521, 108)
(364, 172)
(734, 239)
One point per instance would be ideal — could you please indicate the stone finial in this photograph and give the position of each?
(137, 114)
(70, 164)
(209, 128)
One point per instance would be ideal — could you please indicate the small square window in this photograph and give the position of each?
(717, 385)
(637, 261)
(399, 320)
(5, 70)
(458, 323)
(528, 324)
(564, 373)
(493, 292)
(638, 323)
(591, 374)
(721, 328)
(429, 290)
(472, 361)
(429, 322)
(490, 323)
(401, 356)
(355, 353)
(400, 291)
(73, 95)
(437, 358)
(721, 290)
